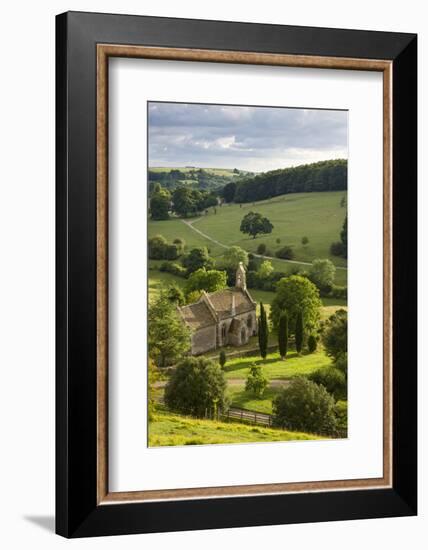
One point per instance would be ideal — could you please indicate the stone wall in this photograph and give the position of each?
(204, 340)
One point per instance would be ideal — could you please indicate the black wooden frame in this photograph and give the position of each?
(77, 512)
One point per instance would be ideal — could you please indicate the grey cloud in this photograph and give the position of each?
(252, 138)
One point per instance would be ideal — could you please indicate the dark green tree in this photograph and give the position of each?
(184, 201)
(157, 246)
(344, 237)
(255, 224)
(263, 331)
(335, 334)
(296, 293)
(312, 343)
(283, 334)
(197, 387)
(305, 406)
(210, 281)
(222, 359)
(298, 334)
(197, 258)
(334, 381)
(160, 203)
(169, 338)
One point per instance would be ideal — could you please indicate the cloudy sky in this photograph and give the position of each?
(248, 138)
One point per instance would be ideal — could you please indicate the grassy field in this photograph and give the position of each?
(168, 429)
(243, 400)
(274, 367)
(317, 216)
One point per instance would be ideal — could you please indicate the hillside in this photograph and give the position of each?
(208, 179)
(167, 429)
(329, 175)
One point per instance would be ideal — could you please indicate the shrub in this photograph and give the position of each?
(332, 379)
(312, 343)
(322, 273)
(305, 406)
(256, 381)
(222, 359)
(174, 268)
(341, 411)
(278, 240)
(261, 249)
(305, 241)
(197, 387)
(341, 363)
(285, 253)
(339, 292)
(172, 252)
(196, 259)
(156, 246)
(337, 249)
(335, 335)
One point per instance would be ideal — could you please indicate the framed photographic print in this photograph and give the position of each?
(236, 274)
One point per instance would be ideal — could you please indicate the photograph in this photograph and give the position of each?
(247, 273)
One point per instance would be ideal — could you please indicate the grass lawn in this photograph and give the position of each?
(317, 216)
(168, 429)
(274, 367)
(245, 400)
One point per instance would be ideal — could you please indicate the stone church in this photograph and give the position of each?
(225, 317)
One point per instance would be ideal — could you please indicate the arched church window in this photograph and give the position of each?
(223, 333)
(243, 335)
(250, 321)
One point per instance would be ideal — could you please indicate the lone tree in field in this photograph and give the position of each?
(263, 331)
(293, 294)
(197, 387)
(298, 334)
(255, 224)
(256, 381)
(283, 335)
(222, 359)
(169, 338)
(305, 406)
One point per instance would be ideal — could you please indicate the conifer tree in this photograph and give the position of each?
(283, 334)
(263, 331)
(299, 332)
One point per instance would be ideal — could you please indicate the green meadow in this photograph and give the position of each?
(168, 429)
(317, 216)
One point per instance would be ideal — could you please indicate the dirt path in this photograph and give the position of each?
(190, 223)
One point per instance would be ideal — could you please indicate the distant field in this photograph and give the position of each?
(168, 429)
(214, 171)
(317, 216)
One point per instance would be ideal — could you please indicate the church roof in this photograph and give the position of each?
(216, 306)
(222, 302)
(197, 315)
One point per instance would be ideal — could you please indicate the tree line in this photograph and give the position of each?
(328, 175)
